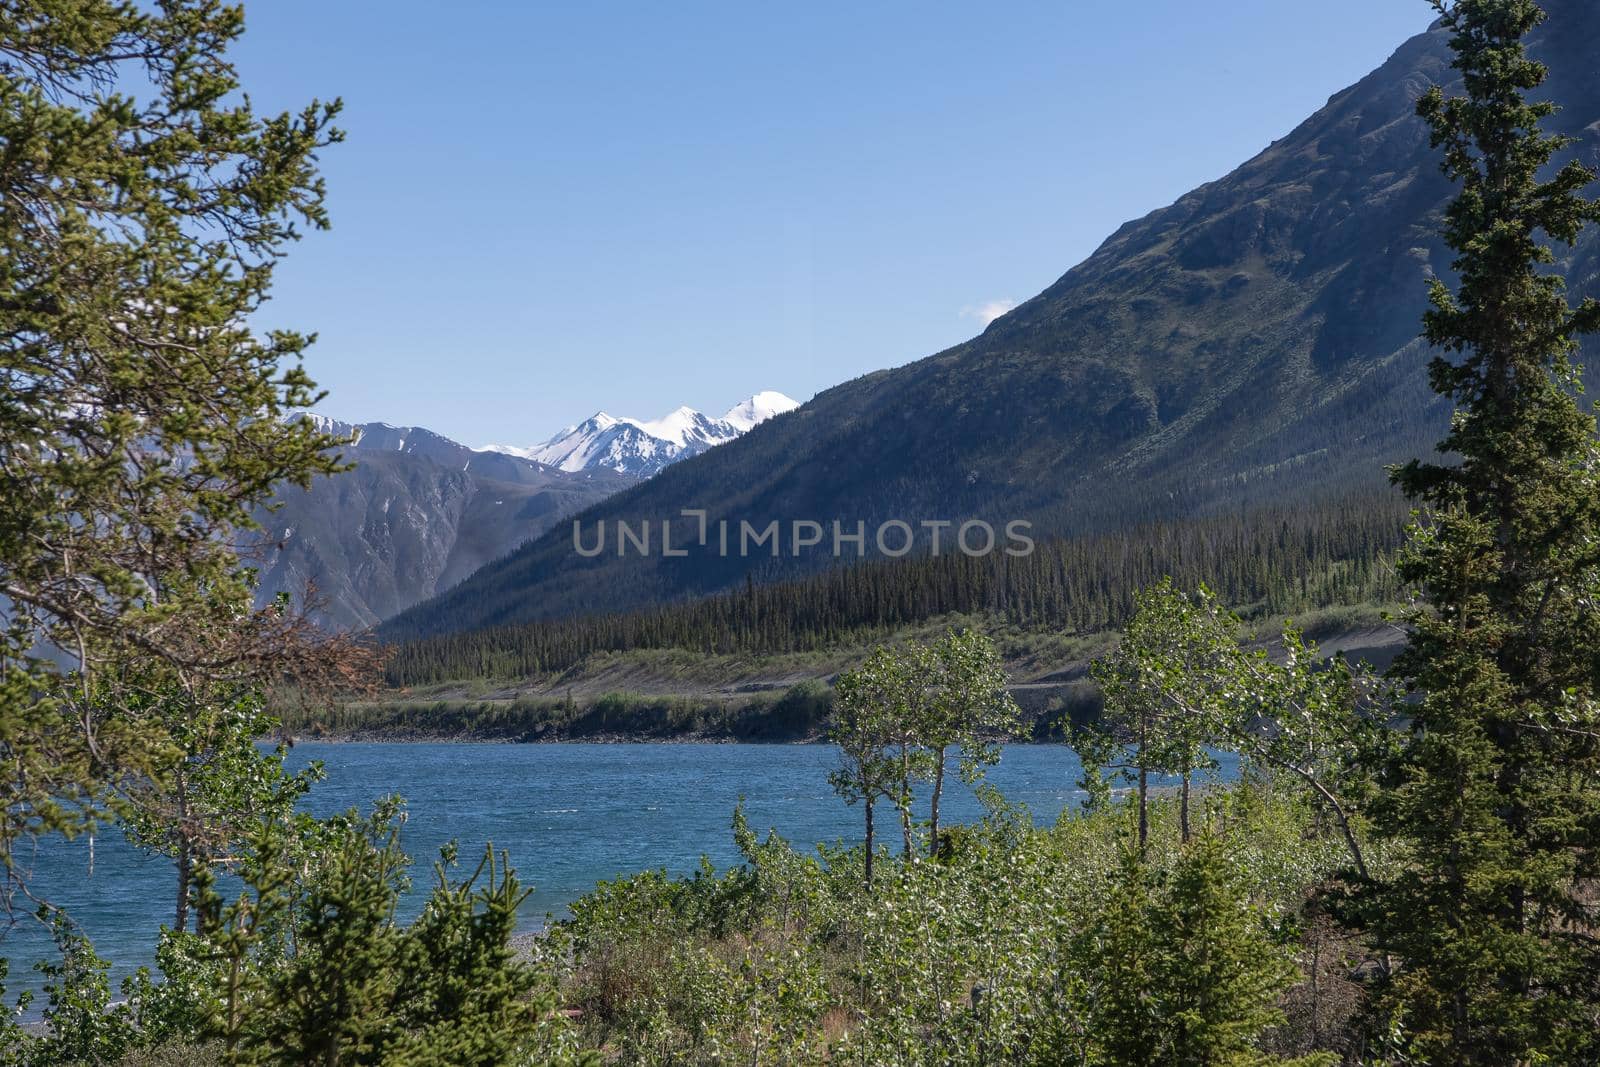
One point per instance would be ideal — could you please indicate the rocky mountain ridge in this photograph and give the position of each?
(643, 448)
(1258, 340)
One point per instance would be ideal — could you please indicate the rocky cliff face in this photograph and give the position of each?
(417, 514)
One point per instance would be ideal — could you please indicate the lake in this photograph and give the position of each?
(569, 814)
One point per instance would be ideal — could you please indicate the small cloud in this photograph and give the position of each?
(988, 311)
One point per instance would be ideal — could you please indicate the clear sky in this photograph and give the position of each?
(549, 207)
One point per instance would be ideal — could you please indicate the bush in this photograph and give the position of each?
(1019, 944)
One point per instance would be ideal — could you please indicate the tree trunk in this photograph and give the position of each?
(870, 845)
(1144, 785)
(1340, 816)
(1144, 808)
(1183, 810)
(904, 801)
(181, 920)
(933, 820)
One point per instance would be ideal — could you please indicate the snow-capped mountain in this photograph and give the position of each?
(416, 514)
(757, 409)
(642, 448)
(419, 512)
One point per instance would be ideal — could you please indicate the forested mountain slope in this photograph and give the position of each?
(1255, 341)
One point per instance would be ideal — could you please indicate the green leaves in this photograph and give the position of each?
(1022, 945)
(897, 715)
(83, 1024)
(1174, 680)
(310, 964)
(142, 417)
(1182, 683)
(1496, 787)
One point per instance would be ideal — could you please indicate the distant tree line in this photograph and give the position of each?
(798, 713)
(1270, 560)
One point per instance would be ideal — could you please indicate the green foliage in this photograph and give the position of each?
(1182, 683)
(215, 789)
(82, 1024)
(1272, 560)
(710, 969)
(878, 708)
(1189, 974)
(315, 968)
(1497, 788)
(1022, 945)
(1155, 696)
(1018, 944)
(308, 964)
(899, 713)
(12, 1034)
(799, 713)
(968, 708)
(141, 415)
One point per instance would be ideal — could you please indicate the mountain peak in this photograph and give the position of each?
(1256, 342)
(675, 426)
(645, 446)
(758, 409)
(417, 513)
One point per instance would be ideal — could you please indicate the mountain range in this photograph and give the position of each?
(643, 448)
(419, 512)
(1256, 340)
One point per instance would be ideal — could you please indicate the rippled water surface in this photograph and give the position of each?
(569, 815)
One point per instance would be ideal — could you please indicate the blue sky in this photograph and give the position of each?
(547, 208)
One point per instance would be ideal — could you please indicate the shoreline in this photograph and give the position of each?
(608, 739)
(423, 738)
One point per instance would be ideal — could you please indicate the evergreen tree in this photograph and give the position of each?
(1186, 971)
(1126, 1026)
(1498, 786)
(1285, 558)
(146, 206)
(309, 964)
(1222, 975)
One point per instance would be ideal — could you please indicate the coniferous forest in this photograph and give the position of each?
(1403, 872)
(1276, 561)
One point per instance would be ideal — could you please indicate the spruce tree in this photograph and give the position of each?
(1498, 786)
(143, 408)
(1185, 970)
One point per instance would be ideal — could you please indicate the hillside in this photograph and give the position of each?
(416, 514)
(1255, 341)
(1268, 562)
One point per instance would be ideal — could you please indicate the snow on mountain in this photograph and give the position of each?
(382, 436)
(757, 409)
(643, 447)
(417, 513)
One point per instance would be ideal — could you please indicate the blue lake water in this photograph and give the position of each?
(569, 814)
